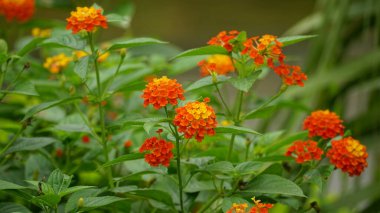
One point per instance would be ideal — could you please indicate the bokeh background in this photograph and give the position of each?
(342, 62)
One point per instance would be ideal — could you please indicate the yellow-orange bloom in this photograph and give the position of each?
(162, 91)
(87, 19)
(348, 155)
(323, 123)
(41, 33)
(78, 54)
(20, 10)
(221, 64)
(260, 207)
(56, 63)
(196, 119)
(238, 208)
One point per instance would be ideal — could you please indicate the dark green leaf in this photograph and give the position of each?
(285, 141)
(121, 159)
(206, 81)
(220, 167)
(8, 185)
(73, 199)
(13, 208)
(96, 202)
(156, 195)
(73, 190)
(273, 184)
(289, 40)
(207, 50)
(67, 40)
(24, 88)
(235, 130)
(23, 144)
(47, 105)
(245, 83)
(50, 200)
(136, 42)
(264, 112)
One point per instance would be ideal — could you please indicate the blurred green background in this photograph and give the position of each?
(343, 63)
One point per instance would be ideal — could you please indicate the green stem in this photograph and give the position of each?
(101, 111)
(12, 141)
(231, 147)
(237, 122)
(222, 99)
(209, 203)
(122, 56)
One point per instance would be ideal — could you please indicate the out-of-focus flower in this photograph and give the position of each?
(127, 144)
(85, 139)
(349, 155)
(41, 33)
(260, 207)
(159, 151)
(20, 10)
(304, 151)
(56, 63)
(223, 39)
(162, 91)
(87, 19)
(238, 208)
(226, 123)
(323, 123)
(103, 56)
(196, 119)
(59, 152)
(221, 64)
(78, 54)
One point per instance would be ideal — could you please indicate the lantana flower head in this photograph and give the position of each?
(196, 119)
(20, 10)
(349, 155)
(238, 208)
(162, 91)
(221, 64)
(56, 63)
(87, 19)
(260, 207)
(159, 151)
(304, 151)
(323, 123)
(223, 39)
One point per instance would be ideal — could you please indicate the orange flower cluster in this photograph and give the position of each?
(304, 151)
(221, 64)
(87, 19)
(162, 91)
(20, 10)
(323, 123)
(348, 155)
(258, 208)
(196, 119)
(268, 49)
(56, 63)
(223, 39)
(160, 151)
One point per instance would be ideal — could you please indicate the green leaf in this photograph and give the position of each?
(24, 88)
(137, 122)
(245, 83)
(285, 141)
(289, 40)
(136, 42)
(67, 40)
(314, 177)
(73, 190)
(220, 167)
(59, 181)
(121, 159)
(264, 112)
(33, 44)
(73, 199)
(206, 81)
(8, 185)
(3, 51)
(154, 194)
(235, 130)
(135, 176)
(27, 144)
(207, 50)
(83, 66)
(250, 167)
(13, 208)
(119, 20)
(50, 200)
(47, 105)
(273, 184)
(96, 202)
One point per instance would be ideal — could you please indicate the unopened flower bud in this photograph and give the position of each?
(80, 202)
